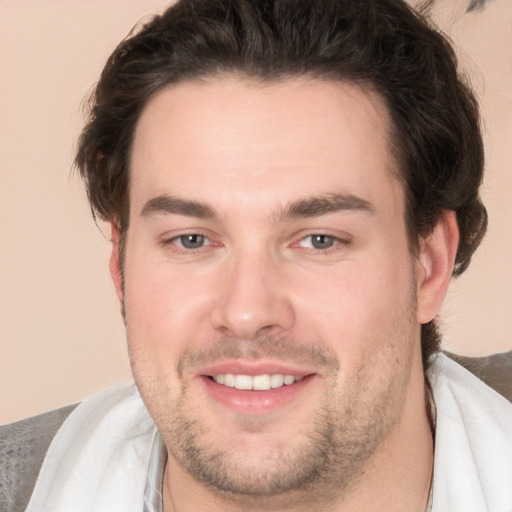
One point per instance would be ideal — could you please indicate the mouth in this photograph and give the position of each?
(263, 382)
(256, 388)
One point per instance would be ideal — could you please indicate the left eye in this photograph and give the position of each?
(191, 241)
(318, 241)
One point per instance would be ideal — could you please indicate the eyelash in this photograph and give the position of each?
(179, 247)
(337, 243)
(176, 242)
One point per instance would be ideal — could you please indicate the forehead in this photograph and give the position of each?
(232, 137)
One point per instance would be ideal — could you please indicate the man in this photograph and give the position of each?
(291, 186)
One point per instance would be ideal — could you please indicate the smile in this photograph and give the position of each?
(262, 382)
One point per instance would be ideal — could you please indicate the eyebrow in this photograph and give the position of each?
(324, 204)
(315, 206)
(173, 205)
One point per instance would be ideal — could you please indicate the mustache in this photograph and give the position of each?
(277, 348)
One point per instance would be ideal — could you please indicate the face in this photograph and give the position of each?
(270, 295)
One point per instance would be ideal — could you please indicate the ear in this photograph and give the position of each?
(435, 265)
(115, 261)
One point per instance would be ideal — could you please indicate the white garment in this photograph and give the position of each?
(473, 445)
(99, 459)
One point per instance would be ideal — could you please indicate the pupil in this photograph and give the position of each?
(322, 241)
(192, 241)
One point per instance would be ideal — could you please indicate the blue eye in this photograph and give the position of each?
(192, 241)
(322, 241)
(318, 241)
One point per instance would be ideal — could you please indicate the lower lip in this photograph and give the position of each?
(248, 402)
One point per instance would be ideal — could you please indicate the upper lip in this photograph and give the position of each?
(252, 368)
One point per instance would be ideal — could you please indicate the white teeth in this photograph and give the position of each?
(258, 382)
(261, 382)
(289, 379)
(243, 382)
(276, 381)
(229, 380)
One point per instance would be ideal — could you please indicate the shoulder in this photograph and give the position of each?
(471, 389)
(23, 446)
(473, 441)
(495, 370)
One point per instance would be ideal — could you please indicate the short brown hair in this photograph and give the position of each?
(378, 44)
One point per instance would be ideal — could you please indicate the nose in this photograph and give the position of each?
(252, 299)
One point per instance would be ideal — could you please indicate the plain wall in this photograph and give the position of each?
(61, 334)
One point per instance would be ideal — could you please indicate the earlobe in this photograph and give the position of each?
(115, 261)
(435, 266)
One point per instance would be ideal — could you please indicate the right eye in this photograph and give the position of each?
(191, 241)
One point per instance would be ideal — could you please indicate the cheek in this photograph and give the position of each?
(154, 335)
(164, 310)
(354, 306)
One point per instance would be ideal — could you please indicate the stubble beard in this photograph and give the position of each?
(332, 451)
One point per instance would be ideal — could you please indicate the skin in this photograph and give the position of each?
(257, 170)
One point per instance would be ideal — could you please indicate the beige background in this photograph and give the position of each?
(61, 336)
